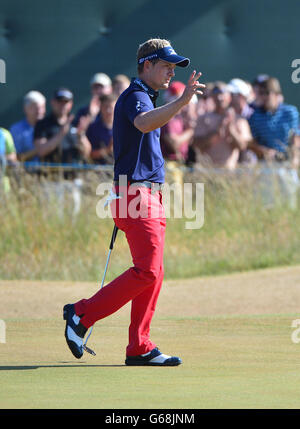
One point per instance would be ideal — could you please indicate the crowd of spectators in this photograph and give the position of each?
(233, 124)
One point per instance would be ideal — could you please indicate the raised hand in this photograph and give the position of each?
(94, 106)
(66, 127)
(192, 87)
(83, 124)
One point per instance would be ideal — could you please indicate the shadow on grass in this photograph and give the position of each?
(26, 367)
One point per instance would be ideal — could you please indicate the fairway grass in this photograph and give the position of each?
(229, 360)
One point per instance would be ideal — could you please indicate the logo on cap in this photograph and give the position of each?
(171, 51)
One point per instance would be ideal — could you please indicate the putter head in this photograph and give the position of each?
(88, 350)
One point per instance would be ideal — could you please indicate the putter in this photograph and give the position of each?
(111, 246)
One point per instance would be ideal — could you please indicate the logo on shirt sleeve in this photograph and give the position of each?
(138, 106)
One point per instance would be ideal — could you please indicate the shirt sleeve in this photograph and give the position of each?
(294, 119)
(137, 102)
(9, 142)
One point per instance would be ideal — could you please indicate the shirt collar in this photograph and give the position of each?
(26, 124)
(151, 92)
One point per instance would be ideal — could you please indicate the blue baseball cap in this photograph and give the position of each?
(167, 54)
(63, 94)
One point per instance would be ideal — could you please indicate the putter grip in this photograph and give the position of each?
(113, 237)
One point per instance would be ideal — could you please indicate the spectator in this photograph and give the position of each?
(251, 95)
(257, 102)
(7, 147)
(22, 131)
(119, 83)
(100, 84)
(240, 92)
(189, 113)
(206, 103)
(2, 151)
(221, 135)
(99, 132)
(275, 126)
(57, 142)
(177, 134)
(7, 157)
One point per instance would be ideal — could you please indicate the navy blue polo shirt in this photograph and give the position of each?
(99, 134)
(273, 129)
(136, 155)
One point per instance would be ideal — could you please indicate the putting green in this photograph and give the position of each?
(230, 359)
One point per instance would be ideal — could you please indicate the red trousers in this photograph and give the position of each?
(142, 219)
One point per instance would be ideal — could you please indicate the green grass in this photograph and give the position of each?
(239, 234)
(228, 362)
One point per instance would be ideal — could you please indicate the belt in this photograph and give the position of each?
(154, 186)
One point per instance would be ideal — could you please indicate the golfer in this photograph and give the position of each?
(138, 212)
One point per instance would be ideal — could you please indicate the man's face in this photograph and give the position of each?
(99, 89)
(61, 107)
(237, 101)
(270, 99)
(222, 98)
(160, 74)
(119, 87)
(107, 111)
(35, 111)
